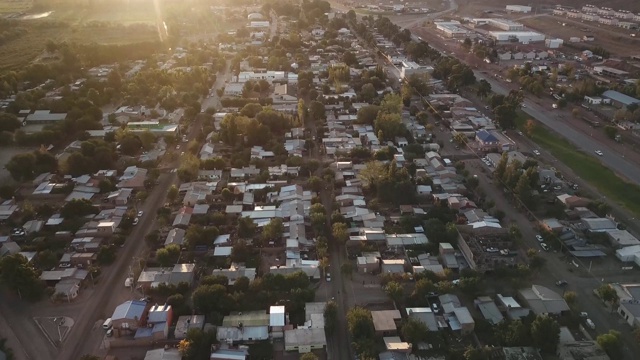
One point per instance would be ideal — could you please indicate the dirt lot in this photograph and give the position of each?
(615, 40)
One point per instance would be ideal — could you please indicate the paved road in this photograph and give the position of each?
(453, 6)
(611, 158)
(214, 100)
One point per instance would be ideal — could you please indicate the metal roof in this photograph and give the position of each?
(620, 97)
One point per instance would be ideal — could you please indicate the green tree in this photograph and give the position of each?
(309, 356)
(330, 317)
(545, 333)
(368, 114)
(78, 208)
(394, 291)
(168, 255)
(340, 232)
(172, 194)
(607, 293)
(209, 298)
(20, 276)
(391, 104)
(246, 228)
(22, 167)
(273, 231)
(360, 323)
(611, 343)
(571, 297)
(414, 331)
(367, 93)
(484, 88)
(9, 122)
(346, 269)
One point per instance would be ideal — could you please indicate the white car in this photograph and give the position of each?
(539, 238)
(328, 277)
(544, 246)
(536, 152)
(140, 213)
(135, 221)
(599, 153)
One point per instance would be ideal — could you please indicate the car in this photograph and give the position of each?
(590, 324)
(539, 238)
(561, 282)
(536, 152)
(544, 246)
(146, 299)
(524, 105)
(486, 107)
(584, 315)
(177, 147)
(435, 308)
(492, 250)
(433, 294)
(140, 213)
(185, 140)
(135, 221)
(110, 332)
(519, 133)
(328, 277)
(599, 153)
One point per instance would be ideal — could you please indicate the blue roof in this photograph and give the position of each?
(129, 310)
(620, 97)
(143, 332)
(486, 137)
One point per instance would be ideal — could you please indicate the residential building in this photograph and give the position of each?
(186, 323)
(542, 300)
(163, 354)
(304, 340)
(384, 321)
(129, 315)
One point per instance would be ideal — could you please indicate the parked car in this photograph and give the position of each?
(140, 213)
(435, 308)
(561, 282)
(544, 246)
(135, 221)
(590, 324)
(328, 277)
(584, 315)
(599, 153)
(539, 238)
(536, 152)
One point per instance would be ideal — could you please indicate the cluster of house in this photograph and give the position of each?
(447, 313)
(144, 323)
(607, 16)
(84, 244)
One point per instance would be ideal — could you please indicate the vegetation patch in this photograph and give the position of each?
(587, 167)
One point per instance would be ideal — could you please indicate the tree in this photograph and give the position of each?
(315, 184)
(78, 208)
(317, 111)
(197, 344)
(394, 291)
(360, 323)
(368, 114)
(502, 166)
(273, 231)
(22, 167)
(414, 331)
(340, 232)
(172, 194)
(330, 317)
(611, 343)
(309, 356)
(571, 298)
(467, 44)
(368, 93)
(529, 127)
(20, 276)
(524, 191)
(484, 88)
(392, 104)
(168, 255)
(246, 228)
(545, 333)
(208, 298)
(9, 122)
(607, 293)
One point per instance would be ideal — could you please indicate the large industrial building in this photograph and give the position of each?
(451, 29)
(524, 37)
(503, 24)
(409, 68)
(519, 8)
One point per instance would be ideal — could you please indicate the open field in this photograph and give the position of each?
(14, 6)
(615, 40)
(587, 167)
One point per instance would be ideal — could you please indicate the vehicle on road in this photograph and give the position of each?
(590, 324)
(492, 250)
(128, 282)
(177, 147)
(519, 133)
(140, 213)
(539, 238)
(135, 221)
(584, 315)
(107, 324)
(536, 152)
(328, 277)
(599, 153)
(110, 332)
(435, 308)
(561, 282)
(544, 246)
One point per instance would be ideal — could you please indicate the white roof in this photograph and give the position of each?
(276, 316)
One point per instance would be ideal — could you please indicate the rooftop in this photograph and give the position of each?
(384, 320)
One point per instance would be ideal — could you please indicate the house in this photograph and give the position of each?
(505, 56)
(384, 321)
(153, 277)
(489, 310)
(551, 225)
(581, 350)
(461, 319)
(393, 343)
(518, 56)
(426, 316)
(629, 302)
(163, 354)
(120, 197)
(619, 99)
(235, 271)
(159, 318)
(542, 300)
(486, 141)
(186, 323)
(621, 238)
(133, 178)
(41, 117)
(599, 224)
(175, 236)
(245, 327)
(304, 340)
(129, 315)
(230, 354)
(67, 289)
(368, 263)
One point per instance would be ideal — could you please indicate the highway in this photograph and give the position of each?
(587, 144)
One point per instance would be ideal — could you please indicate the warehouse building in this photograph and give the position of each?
(523, 37)
(451, 29)
(519, 8)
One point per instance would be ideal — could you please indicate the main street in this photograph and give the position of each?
(610, 158)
